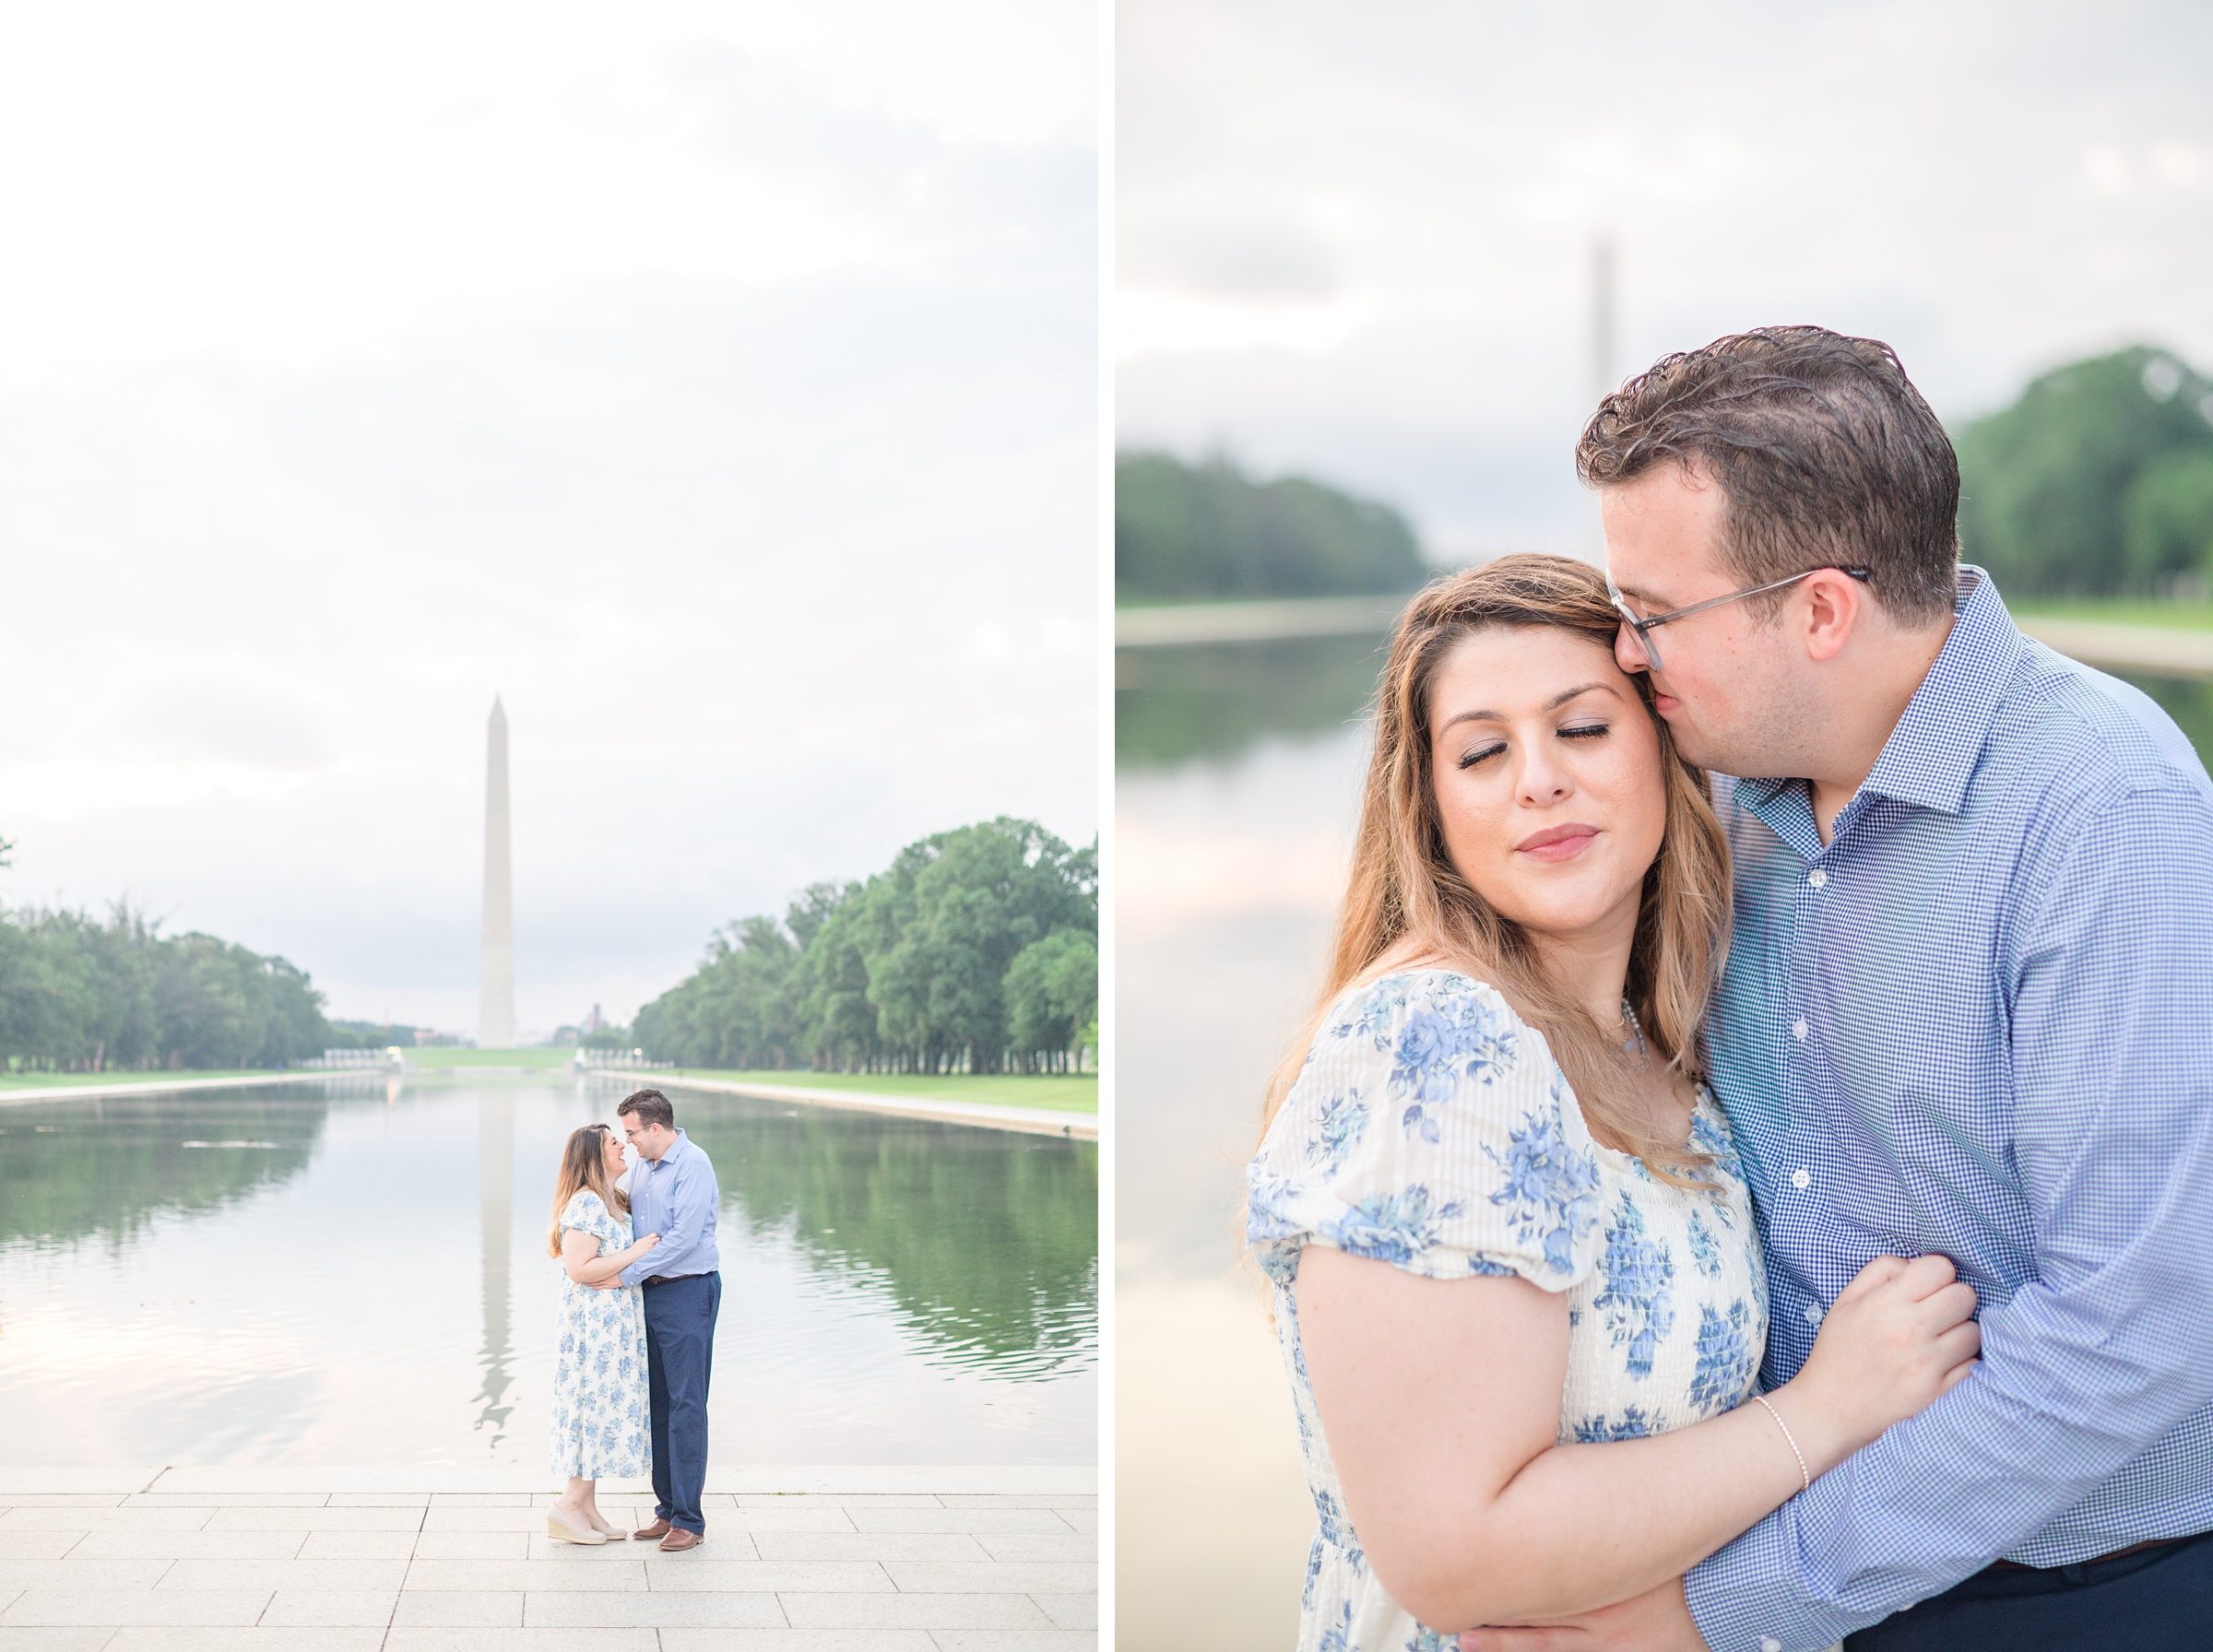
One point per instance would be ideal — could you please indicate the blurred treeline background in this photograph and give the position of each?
(1185, 533)
(975, 951)
(2096, 483)
(90, 994)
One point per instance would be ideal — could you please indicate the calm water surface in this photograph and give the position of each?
(354, 1271)
(1239, 771)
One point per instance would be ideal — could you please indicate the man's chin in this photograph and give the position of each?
(1694, 745)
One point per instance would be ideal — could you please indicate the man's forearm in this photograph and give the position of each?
(1943, 1494)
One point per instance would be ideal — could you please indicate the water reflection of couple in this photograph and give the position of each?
(636, 1340)
(1528, 1268)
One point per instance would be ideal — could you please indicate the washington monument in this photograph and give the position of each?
(495, 1010)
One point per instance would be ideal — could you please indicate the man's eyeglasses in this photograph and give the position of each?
(1641, 631)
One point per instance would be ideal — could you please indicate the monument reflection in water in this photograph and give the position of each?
(354, 1271)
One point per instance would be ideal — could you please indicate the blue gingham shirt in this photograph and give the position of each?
(1979, 1023)
(675, 1196)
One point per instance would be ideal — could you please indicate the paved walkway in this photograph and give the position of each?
(423, 1560)
(1036, 1121)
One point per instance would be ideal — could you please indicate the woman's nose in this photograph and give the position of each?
(1544, 780)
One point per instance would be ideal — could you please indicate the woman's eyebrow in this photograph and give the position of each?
(1560, 700)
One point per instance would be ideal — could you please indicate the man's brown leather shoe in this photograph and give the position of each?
(659, 1529)
(679, 1540)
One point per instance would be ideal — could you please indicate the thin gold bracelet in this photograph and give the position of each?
(1761, 1400)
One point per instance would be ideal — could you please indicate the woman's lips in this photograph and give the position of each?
(1557, 842)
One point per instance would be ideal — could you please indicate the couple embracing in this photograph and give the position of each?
(1749, 1185)
(636, 1342)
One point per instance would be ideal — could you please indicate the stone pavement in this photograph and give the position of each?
(422, 1560)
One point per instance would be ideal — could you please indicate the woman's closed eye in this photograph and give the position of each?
(1481, 752)
(1586, 731)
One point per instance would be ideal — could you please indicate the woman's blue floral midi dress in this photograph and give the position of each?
(1430, 1128)
(600, 1410)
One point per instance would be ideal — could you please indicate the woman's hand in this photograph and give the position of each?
(648, 1242)
(1900, 1334)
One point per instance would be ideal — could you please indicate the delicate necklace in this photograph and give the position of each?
(1629, 1016)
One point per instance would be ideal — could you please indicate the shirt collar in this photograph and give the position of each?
(1932, 753)
(677, 1150)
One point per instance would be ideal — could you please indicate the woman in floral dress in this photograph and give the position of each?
(601, 1417)
(1517, 1283)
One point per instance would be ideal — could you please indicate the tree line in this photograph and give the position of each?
(79, 994)
(2096, 481)
(975, 951)
(1189, 532)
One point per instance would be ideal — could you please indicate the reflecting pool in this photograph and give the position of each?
(354, 1271)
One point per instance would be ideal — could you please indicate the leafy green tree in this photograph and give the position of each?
(2167, 516)
(981, 894)
(1052, 992)
(2046, 484)
(830, 987)
(1184, 531)
(79, 993)
(906, 971)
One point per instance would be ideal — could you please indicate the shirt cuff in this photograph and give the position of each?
(1751, 1596)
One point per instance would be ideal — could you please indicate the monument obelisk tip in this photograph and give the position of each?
(495, 1010)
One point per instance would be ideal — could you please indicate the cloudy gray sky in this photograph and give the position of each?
(716, 383)
(1355, 239)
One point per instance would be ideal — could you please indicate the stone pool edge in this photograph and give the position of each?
(63, 1092)
(1034, 1121)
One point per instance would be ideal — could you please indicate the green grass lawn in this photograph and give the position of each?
(56, 1081)
(1063, 1092)
(2115, 610)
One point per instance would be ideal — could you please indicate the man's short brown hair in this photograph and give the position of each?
(1824, 453)
(651, 1106)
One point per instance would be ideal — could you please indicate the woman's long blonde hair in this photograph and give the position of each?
(1404, 888)
(583, 1165)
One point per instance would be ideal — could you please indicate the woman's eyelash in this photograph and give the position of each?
(1585, 731)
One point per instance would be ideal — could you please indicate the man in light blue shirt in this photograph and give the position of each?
(1967, 1009)
(672, 1193)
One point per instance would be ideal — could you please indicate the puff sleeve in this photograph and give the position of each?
(1430, 1128)
(586, 1213)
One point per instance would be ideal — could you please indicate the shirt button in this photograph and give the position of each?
(1813, 1313)
(1768, 1643)
(1802, 1179)
(1818, 878)
(1798, 1030)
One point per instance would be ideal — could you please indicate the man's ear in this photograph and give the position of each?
(1835, 604)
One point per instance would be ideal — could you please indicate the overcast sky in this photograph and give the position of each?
(1355, 239)
(716, 383)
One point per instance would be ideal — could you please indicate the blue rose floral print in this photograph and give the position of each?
(601, 1419)
(1430, 1130)
(1638, 1302)
(1440, 1049)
